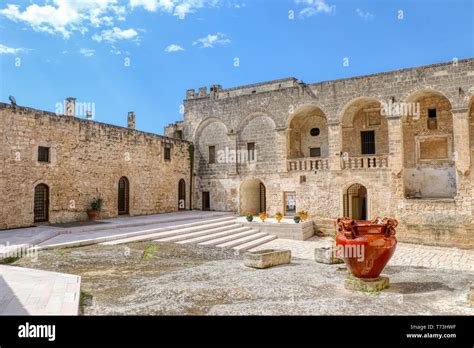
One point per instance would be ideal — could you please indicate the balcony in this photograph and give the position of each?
(308, 164)
(365, 162)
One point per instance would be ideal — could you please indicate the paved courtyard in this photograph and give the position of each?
(151, 278)
(143, 276)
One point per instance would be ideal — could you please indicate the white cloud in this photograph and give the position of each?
(87, 52)
(366, 16)
(10, 50)
(116, 34)
(211, 40)
(179, 8)
(174, 48)
(313, 7)
(63, 17)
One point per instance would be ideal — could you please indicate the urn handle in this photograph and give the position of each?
(346, 226)
(391, 227)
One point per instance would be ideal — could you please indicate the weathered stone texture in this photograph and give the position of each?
(87, 159)
(432, 198)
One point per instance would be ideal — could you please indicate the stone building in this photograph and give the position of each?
(53, 166)
(396, 144)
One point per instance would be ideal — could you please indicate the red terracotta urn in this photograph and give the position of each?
(366, 246)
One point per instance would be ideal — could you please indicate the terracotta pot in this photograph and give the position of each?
(366, 246)
(93, 214)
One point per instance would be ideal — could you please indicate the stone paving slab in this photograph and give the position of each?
(25, 291)
(405, 255)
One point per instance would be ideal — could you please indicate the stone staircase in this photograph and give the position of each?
(222, 232)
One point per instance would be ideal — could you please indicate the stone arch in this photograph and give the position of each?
(257, 135)
(212, 132)
(252, 196)
(182, 194)
(428, 145)
(249, 117)
(307, 132)
(364, 128)
(204, 123)
(356, 202)
(350, 108)
(123, 196)
(419, 92)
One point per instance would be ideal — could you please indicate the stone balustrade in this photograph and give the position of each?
(365, 162)
(308, 164)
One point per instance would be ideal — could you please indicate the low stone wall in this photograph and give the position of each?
(285, 230)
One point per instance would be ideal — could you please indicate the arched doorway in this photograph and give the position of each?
(41, 204)
(253, 197)
(355, 202)
(182, 195)
(123, 196)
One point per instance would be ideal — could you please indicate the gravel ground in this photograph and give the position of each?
(150, 278)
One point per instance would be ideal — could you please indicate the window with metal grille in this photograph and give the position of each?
(167, 152)
(432, 119)
(315, 152)
(251, 151)
(367, 142)
(212, 154)
(43, 154)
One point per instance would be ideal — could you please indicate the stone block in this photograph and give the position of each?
(326, 254)
(267, 258)
(471, 296)
(366, 285)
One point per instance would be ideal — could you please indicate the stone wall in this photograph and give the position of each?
(87, 159)
(263, 113)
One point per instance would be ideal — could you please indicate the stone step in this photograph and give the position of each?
(205, 236)
(174, 230)
(240, 241)
(214, 242)
(255, 243)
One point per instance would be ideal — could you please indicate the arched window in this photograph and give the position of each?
(41, 203)
(182, 195)
(123, 196)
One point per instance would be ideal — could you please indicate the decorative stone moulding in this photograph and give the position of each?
(366, 246)
(266, 258)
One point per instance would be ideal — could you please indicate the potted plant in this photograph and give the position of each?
(249, 217)
(278, 217)
(303, 215)
(296, 219)
(96, 206)
(263, 216)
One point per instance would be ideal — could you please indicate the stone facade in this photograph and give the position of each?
(378, 131)
(86, 160)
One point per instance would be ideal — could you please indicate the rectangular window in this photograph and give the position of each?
(432, 113)
(289, 199)
(251, 151)
(432, 119)
(315, 152)
(43, 154)
(167, 152)
(367, 142)
(212, 154)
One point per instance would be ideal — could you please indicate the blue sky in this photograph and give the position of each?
(50, 50)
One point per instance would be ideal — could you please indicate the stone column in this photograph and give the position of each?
(335, 145)
(395, 144)
(281, 135)
(461, 149)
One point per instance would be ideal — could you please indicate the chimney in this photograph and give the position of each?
(131, 120)
(70, 106)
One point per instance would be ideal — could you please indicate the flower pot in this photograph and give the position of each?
(366, 246)
(93, 214)
(278, 218)
(296, 219)
(249, 218)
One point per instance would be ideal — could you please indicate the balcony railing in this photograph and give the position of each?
(308, 164)
(365, 162)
